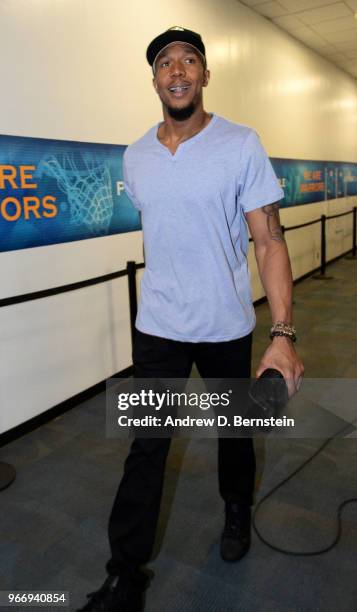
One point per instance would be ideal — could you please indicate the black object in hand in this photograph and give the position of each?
(268, 395)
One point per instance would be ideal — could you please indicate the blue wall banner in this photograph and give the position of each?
(306, 181)
(56, 191)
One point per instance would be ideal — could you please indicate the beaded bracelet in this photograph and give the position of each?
(283, 329)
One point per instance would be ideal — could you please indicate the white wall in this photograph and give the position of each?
(76, 69)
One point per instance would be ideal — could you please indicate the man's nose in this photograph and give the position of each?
(177, 68)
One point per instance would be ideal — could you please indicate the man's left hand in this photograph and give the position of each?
(282, 356)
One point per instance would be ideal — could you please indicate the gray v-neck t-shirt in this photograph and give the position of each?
(196, 283)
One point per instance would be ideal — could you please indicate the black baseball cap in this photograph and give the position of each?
(175, 34)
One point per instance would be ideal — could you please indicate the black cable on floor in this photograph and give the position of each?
(339, 509)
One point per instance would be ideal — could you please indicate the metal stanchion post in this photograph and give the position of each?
(323, 245)
(133, 302)
(322, 275)
(354, 231)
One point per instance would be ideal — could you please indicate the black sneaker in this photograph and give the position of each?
(235, 540)
(123, 593)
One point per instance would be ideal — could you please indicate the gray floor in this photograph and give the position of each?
(53, 518)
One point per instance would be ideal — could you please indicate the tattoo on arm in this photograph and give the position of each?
(273, 221)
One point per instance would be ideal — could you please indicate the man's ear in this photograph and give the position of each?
(206, 77)
(154, 84)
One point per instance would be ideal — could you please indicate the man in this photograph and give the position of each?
(197, 179)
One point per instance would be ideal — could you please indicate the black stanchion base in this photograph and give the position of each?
(7, 475)
(322, 277)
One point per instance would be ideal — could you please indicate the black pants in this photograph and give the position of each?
(135, 513)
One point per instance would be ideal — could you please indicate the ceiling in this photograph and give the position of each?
(328, 27)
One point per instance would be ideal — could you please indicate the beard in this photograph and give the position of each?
(181, 114)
